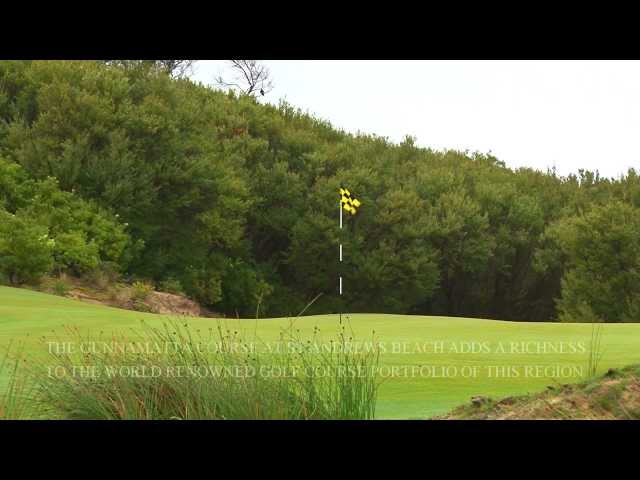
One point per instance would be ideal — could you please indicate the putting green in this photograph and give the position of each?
(430, 364)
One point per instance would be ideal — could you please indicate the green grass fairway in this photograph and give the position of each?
(26, 315)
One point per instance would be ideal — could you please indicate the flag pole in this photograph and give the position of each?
(340, 258)
(350, 205)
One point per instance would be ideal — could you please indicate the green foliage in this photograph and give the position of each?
(71, 251)
(82, 235)
(60, 287)
(602, 264)
(25, 249)
(171, 285)
(169, 180)
(204, 281)
(140, 291)
(245, 289)
(224, 375)
(104, 276)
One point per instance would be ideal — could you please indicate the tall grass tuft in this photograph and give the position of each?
(594, 350)
(15, 395)
(218, 374)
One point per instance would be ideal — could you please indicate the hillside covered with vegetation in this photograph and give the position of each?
(122, 170)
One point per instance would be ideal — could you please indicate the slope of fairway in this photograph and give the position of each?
(613, 396)
(431, 364)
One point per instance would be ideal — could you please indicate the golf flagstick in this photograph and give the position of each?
(351, 205)
(340, 269)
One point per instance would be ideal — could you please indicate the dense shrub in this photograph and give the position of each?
(602, 264)
(104, 276)
(60, 287)
(171, 285)
(237, 201)
(26, 251)
(140, 291)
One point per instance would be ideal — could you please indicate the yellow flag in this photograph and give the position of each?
(349, 203)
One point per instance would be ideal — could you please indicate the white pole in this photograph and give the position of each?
(340, 207)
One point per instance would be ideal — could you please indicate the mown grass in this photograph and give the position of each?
(27, 316)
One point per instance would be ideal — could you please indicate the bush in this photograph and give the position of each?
(171, 285)
(121, 296)
(140, 306)
(73, 252)
(602, 278)
(580, 313)
(228, 392)
(25, 249)
(60, 288)
(140, 291)
(104, 275)
(98, 279)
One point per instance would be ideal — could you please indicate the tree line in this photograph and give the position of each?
(130, 169)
